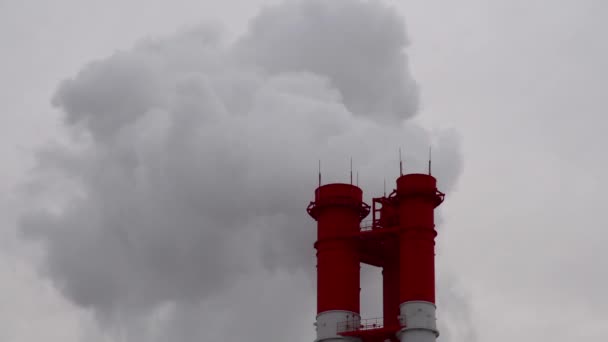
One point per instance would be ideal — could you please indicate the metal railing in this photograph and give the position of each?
(358, 325)
(366, 225)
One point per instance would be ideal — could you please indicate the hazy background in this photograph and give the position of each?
(120, 187)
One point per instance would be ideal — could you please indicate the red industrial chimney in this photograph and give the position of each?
(418, 197)
(338, 209)
(400, 239)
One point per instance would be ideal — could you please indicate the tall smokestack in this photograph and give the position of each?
(338, 209)
(418, 196)
(400, 240)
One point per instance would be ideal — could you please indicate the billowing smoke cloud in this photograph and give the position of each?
(192, 161)
(359, 47)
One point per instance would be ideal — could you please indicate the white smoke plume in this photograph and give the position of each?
(178, 208)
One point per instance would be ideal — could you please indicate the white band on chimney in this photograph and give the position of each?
(418, 321)
(327, 325)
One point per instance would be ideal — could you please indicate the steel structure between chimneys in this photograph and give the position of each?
(400, 240)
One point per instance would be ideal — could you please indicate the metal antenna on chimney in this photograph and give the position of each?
(319, 172)
(400, 163)
(351, 170)
(429, 160)
(384, 187)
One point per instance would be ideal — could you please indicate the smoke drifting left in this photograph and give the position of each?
(192, 160)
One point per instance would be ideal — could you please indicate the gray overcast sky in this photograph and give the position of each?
(521, 84)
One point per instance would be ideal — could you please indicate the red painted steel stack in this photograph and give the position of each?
(338, 210)
(400, 240)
